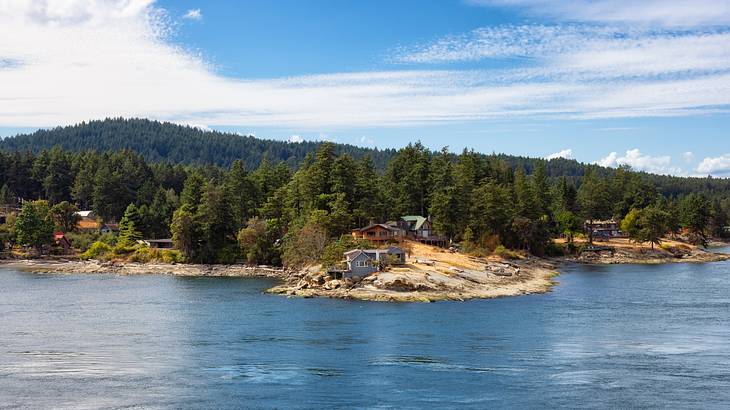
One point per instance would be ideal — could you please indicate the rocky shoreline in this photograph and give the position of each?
(135, 268)
(447, 277)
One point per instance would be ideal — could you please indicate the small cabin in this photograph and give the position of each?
(157, 243)
(359, 264)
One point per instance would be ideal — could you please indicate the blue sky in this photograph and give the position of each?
(611, 81)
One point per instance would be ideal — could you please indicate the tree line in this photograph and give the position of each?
(278, 214)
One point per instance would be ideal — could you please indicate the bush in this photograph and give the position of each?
(171, 256)
(553, 249)
(142, 255)
(121, 250)
(503, 252)
(98, 250)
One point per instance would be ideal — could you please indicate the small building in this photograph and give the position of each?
(109, 228)
(362, 262)
(604, 229)
(420, 228)
(60, 241)
(157, 243)
(359, 263)
(378, 233)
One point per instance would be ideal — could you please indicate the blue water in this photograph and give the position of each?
(606, 337)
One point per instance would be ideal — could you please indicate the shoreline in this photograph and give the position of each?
(482, 278)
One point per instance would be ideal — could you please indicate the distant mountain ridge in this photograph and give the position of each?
(166, 142)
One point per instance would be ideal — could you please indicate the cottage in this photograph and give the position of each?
(362, 262)
(421, 229)
(603, 229)
(359, 263)
(157, 243)
(60, 241)
(378, 233)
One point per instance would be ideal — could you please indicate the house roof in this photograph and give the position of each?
(393, 250)
(85, 214)
(157, 240)
(85, 224)
(384, 226)
(353, 254)
(417, 220)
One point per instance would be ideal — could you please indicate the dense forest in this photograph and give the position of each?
(279, 214)
(176, 144)
(159, 142)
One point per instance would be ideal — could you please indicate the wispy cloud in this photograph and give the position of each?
(82, 59)
(656, 12)
(193, 14)
(637, 160)
(566, 153)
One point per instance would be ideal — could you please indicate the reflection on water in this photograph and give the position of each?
(608, 336)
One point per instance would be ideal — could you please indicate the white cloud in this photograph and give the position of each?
(296, 138)
(566, 153)
(608, 161)
(656, 12)
(367, 140)
(637, 160)
(193, 14)
(688, 156)
(68, 61)
(715, 166)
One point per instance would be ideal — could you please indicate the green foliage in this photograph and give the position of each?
(505, 253)
(64, 215)
(270, 194)
(695, 216)
(34, 226)
(646, 225)
(129, 232)
(98, 250)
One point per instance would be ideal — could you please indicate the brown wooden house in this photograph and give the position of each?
(378, 233)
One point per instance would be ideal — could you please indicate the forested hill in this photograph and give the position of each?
(177, 144)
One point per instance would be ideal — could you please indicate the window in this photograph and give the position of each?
(361, 264)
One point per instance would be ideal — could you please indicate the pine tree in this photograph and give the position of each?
(129, 232)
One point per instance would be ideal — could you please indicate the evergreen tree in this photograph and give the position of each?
(129, 226)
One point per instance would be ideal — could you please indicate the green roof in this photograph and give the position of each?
(419, 220)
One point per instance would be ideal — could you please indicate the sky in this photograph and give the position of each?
(613, 82)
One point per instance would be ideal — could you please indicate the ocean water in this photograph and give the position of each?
(606, 337)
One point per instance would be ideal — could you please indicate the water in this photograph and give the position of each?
(606, 337)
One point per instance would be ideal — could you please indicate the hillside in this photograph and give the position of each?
(177, 144)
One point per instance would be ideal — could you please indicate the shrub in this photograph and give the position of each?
(98, 250)
(171, 256)
(553, 249)
(142, 255)
(503, 252)
(121, 250)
